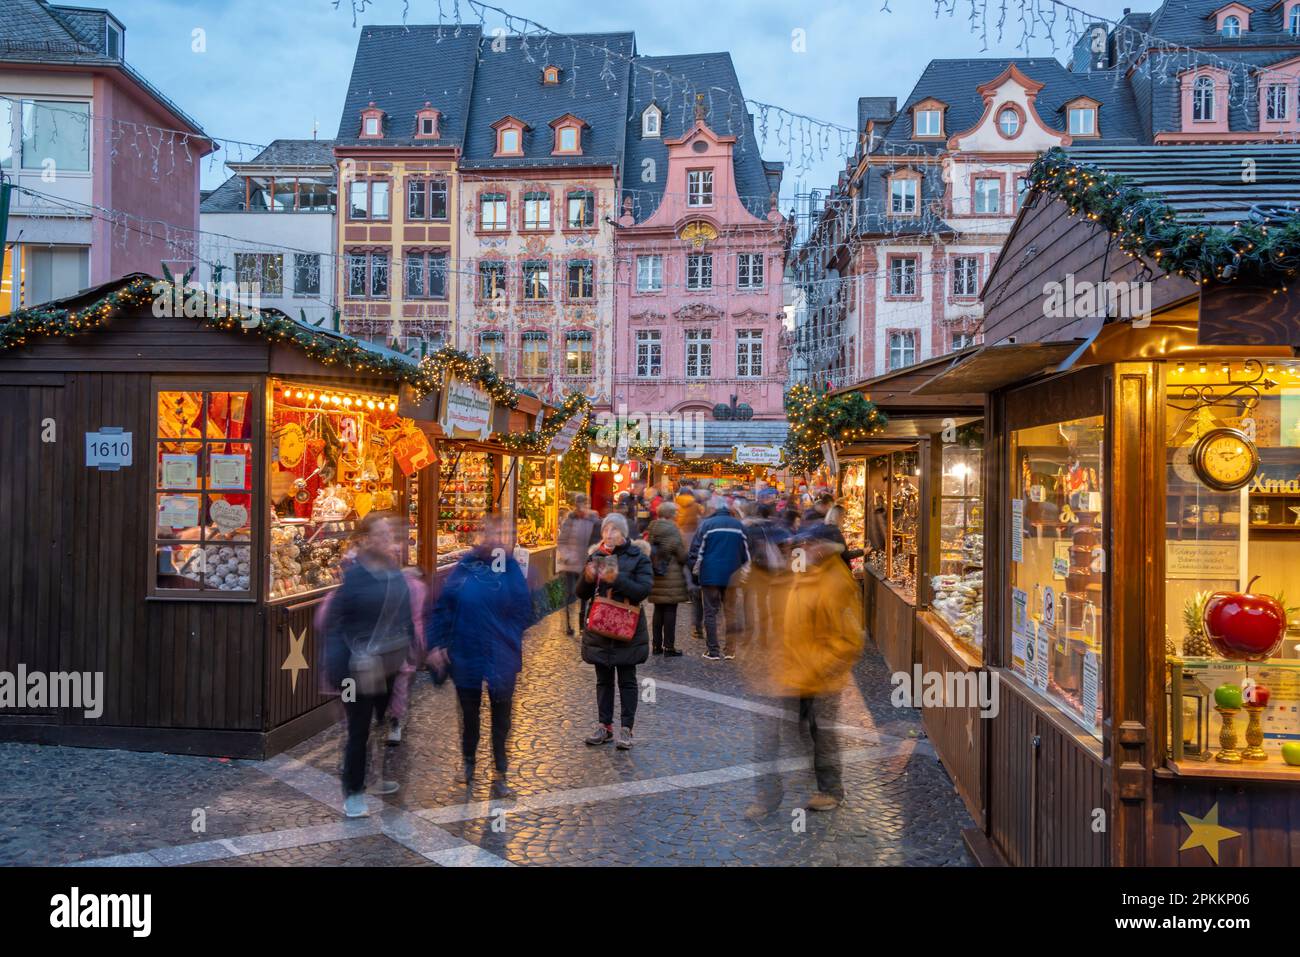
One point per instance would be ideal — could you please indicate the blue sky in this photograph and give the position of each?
(275, 68)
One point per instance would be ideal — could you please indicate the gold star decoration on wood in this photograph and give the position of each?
(296, 662)
(1206, 832)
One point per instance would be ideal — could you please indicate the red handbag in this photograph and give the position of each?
(613, 619)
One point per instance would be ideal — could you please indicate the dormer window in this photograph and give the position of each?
(1082, 117)
(699, 187)
(652, 121)
(551, 76)
(1293, 20)
(1203, 99)
(1232, 26)
(1232, 19)
(426, 123)
(568, 135)
(372, 122)
(113, 42)
(927, 119)
(510, 136)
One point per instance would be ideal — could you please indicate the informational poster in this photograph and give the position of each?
(1089, 693)
(178, 511)
(180, 471)
(1017, 529)
(1201, 560)
(226, 471)
(1041, 658)
(1019, 611)
(466, 410)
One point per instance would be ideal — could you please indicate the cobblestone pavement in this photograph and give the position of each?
(677, 798)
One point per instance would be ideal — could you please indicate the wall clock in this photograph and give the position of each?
(1225, 459)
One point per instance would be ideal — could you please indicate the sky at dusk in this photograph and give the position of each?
(273, 70)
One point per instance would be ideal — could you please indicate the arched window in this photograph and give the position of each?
(1232, 26)
(1203, 98)
(1009, 122)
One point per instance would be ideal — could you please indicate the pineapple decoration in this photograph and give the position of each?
(1195, 642)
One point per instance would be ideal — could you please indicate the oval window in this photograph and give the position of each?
(1009, 122)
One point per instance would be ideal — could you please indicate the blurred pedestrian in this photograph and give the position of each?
(718, 556)
(399, 704)
(578, 532)
(477, 632)
(617, 569)
(667, 562)
(368, 636)
(822, 637)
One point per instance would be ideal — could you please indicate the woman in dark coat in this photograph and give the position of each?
(369, 621)
(629, 582)
(478, 623)
(667, 561)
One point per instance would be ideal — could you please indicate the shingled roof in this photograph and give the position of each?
(672, 83)
(399, 69)
(593, 87)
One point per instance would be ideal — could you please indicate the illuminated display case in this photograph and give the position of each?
(853, 499)
(957, 566)
(905, 521)
(465, 499)
(538, 503)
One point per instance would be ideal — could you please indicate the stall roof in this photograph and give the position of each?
(991, 367)
(897, 392)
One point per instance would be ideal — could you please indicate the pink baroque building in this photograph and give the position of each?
(700, 250)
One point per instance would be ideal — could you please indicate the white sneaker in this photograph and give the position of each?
(395, 732)
(354, 805)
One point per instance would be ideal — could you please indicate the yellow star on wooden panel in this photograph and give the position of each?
(296, 662)
(1206, 832)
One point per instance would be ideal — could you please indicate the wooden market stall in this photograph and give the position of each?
(1141, 455)
(912, 497)
(177, 495)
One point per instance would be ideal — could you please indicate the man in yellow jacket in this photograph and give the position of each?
(806, 663)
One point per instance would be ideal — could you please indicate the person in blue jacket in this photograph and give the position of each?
(718, 558)
(476, 632)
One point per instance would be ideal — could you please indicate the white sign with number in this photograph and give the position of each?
(109, 449)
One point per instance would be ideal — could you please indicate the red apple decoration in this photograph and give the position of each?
(1243, 626)
(1257, 696)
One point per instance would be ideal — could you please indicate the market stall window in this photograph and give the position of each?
(466, 497)
(905, 520)
(334, 455)
(1232, 543)
(957, 569)
(538, 501)
(203, 491)
(1058, 564)
(853, 498)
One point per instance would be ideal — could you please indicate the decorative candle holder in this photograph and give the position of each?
(1228, 753)
(1254, 734)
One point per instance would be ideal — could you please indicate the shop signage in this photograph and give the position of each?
(1049, 609)
(1197, 560)
(1040, 659)
(412, 451)
(226, 471)
(1090, 689)
(178, 511)
(758, 455)
(109, 449)
(180, 471)
(466, 410)
(1276, 486)
(562, 441)
(1017, 529)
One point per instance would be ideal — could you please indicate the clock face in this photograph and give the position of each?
(1225, 459)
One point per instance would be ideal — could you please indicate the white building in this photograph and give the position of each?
(273, 223)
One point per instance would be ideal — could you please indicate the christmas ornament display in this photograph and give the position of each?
(1243, 626)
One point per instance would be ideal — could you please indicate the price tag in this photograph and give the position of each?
(109, 449)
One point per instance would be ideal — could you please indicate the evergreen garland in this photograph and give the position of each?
(815, 417)
(538, 442)
(1147, 227)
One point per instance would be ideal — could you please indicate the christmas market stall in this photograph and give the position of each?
(910, 484)
(1142, 512)
(180, 479)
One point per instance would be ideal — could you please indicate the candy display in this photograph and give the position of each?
(959, 600)
(305, 557)
(220, 567)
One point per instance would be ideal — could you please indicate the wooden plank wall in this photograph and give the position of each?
(1265, 815)
(956, 733)
(284, 701)
(1044, 787)
(891, 626)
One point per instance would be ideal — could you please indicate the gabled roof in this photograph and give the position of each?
(399, 68)
(1192, 22)
(593, 85)
(671, 82)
